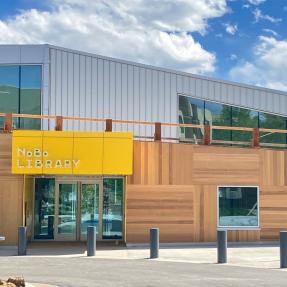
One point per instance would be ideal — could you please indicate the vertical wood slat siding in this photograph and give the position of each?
(11, 195)
(165, 172)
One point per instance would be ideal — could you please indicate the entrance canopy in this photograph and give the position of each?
(58, 152)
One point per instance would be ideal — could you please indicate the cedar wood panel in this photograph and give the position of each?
(11, 195)
(174, 186)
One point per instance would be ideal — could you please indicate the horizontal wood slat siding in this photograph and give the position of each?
(186, 175)
(169, 207)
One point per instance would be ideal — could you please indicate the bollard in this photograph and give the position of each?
(283, 249)
(91, 241)
(154, 243)
(22, 240)
(221, 246)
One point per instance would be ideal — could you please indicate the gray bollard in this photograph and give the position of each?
(22, 240)
(221, 246)
(154, 243)
(283, 249)
(91, 240)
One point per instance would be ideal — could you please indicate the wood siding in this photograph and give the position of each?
(174, 186)
(11, 194)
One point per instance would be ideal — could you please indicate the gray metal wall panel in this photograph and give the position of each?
(23, 54)
(10, 55)
(89, 85)
(94, 92)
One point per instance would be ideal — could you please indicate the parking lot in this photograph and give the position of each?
(178, 265)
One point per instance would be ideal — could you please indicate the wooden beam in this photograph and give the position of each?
(256, 138)
(8, 124)
(109, 125)
(157, 131)
(207, 133)
(59, 123)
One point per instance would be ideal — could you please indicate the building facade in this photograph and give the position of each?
(58, 183)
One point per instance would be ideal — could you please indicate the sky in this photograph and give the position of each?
(238, 40)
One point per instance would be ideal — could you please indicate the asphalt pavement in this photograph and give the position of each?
(91, 271)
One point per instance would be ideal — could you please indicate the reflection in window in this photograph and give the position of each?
(269, 121)
(30, 96)
(113, 208)
(20, 92)
(191, 111)
(67, 217)
(218, 115)
(9, 91)
(89, 206)
(243, 118)
(44, 208)
(238, 207)
(197, 111)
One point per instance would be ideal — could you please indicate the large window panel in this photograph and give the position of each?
(44, 208)
(218, 115)
(113, 208)
(30, 95)
(191, 111)
(270, 121)
(243, 118)
(9, 91)
(238, 207)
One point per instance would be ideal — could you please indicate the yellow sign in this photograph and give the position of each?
(58, 152)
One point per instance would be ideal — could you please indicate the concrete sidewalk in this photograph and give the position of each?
(258, 255)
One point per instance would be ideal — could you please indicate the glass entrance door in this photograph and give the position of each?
(66, 211)
(63, 208)
(77, 207)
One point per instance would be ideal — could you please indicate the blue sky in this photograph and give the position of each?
(12, 7)
(239, 40)
(243, 41)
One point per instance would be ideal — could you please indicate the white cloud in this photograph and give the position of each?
(258, 16)
(230, 29)
(256, 2)
(157, 33)
(270, 31)
(233, 57)
(268, 68)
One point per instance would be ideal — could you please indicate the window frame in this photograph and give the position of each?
(19, 65)
(257, 227)
(259, 111)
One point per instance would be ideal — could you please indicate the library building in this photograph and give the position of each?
(88, 140)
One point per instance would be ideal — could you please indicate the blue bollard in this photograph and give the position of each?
(154, 243)
(221, 246)
(91, 240)
(283, 249)
(22, 240)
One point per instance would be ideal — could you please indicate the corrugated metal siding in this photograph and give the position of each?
(89, 85)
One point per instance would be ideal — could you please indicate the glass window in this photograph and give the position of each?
(191, 111)
(113, 208)
(238, 207)
(9, 91)
(67, 217)
(243, 118)
(218, 115)
(44, 208)
(30, 95)
(89, 206)
(20, 92)
(270, 121)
